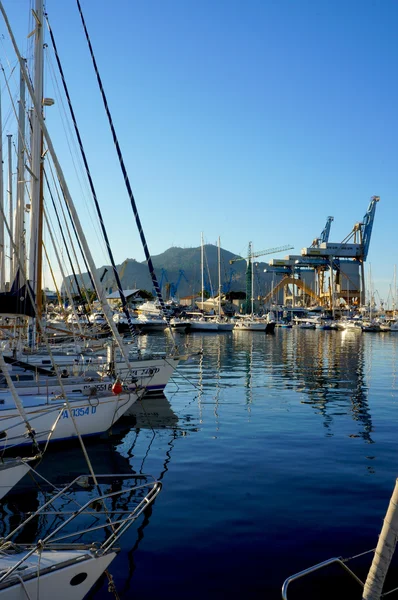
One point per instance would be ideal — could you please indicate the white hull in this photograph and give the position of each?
(11, 471)
(50, 387)
(94, 415)
(225, 326)
(151, 374)
(250, 326)
(58, 578)
(204, 326)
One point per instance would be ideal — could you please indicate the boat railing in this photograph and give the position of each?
(116, 520)
(342, 562)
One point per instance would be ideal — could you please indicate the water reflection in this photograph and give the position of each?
(129, 450)
(325, 369)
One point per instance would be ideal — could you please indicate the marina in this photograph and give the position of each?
(193, 423)
(280, 457)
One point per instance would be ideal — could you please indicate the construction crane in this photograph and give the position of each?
(249, 268)
(324, 237)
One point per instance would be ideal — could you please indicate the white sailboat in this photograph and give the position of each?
(201, 323)
(60, 564)
(58, 567)
(12, 470)
(248, 322)
(224, 324)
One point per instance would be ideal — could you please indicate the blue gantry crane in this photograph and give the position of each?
(324, 237)
(365, 228)
(226, 286)
(174, 286)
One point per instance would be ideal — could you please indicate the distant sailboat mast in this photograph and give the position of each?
(202, 266)
(2, 248)
(219, 277)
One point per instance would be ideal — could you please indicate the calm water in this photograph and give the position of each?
(275, 452)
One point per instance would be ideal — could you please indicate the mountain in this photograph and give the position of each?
(180, 268)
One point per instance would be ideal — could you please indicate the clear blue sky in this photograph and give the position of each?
(246, 120)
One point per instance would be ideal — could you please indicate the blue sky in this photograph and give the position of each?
(246, 120)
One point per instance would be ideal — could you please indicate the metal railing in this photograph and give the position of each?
(339, 560)
(95, 507)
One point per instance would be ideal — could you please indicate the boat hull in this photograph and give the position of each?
(62, 575)
(203, 326)
(249, 324)
(152, 374)
(11, 472)
(93, 415)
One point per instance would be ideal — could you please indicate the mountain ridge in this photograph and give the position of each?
(180, 268)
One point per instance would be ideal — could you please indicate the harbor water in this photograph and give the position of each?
(275, 452)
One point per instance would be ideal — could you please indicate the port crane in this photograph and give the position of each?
(362, 231)
(174, 286)
(361, 234)
(226, 286)
(324, 237)
(344, 258)
(249, 267)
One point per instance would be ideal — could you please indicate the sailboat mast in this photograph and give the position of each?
(252, 290)
(10, 206)
(219, 278)
(98, 285)
(35, 234)
(2, 248)
(249, 278)
(332, 286)
(19, 217)
(202, 266)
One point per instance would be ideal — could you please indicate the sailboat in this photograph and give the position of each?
(56, 567)
(248, 322)
(224, 324)
(201, 323)
(61, 563)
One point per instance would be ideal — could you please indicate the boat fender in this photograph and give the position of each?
(117, 387)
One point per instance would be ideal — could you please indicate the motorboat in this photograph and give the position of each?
(306, 325)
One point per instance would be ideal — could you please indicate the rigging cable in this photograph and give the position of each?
(74, 153)
(126, 311)
(85, 289)
(63, 237)
(127, 183)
